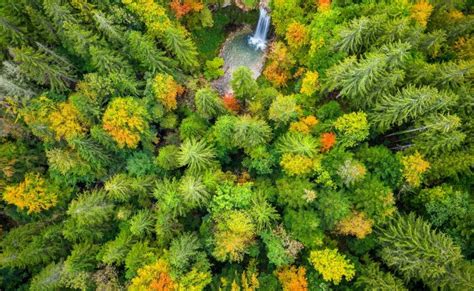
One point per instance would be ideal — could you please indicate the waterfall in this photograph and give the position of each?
(259, 39)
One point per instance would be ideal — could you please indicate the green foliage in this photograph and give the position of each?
(208, 103)
(214, 68)
(352, 127)
(243, 84)
(196, 155)
(373, 278)
(250, 132)
(138, 170)
(168, 157)
(409, 104)
(304, 225)
(416, 251)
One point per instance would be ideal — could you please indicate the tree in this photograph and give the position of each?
(250, 132)
(67, 122)
(297, 35)
(293, 278)
(410, 246)
(409, 104)
(351, 172)
(328, 140)
(235, 232)
(153, 277)
(413, 168)
(214, 69)
(373, 278)
(193, 191)
(43, 69)
(352, 128)
(359, 34)
(34, 193)
(356, 224)
(305, 125)
(332, 265)
(310, 83)
(196, 155)
(143, 49)
(208, 103)
(166, 90)
(126, 121)
(243, 84)
(283, 109)
(421, 11)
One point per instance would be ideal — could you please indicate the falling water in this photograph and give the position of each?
(259, 39)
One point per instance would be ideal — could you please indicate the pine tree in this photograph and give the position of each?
(176, 40)
(196, 155)
(43, 69)
(373, 278)
(250, 132)
(418, 252)
(360, 34)
(409, 104)
(143, 49)
(243, 84)
(208, 104)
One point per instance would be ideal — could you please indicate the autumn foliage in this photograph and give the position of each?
(67, 122)
(231, 103)
(183, 7)
(356, 224)
(32, 194)
(332, 265)
(293, 278)
(125, 120)
(328, 140)
(413, 168)
(154, 277)
(166, 90)
(421, 11)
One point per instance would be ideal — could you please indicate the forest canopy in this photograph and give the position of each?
(346, 165)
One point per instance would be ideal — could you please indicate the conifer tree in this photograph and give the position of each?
(419, 252)
(208, 103)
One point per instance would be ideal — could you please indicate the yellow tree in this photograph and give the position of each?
(310, 83)
(32, 194)
(234, 233)
(153, 277)
(304, 125)
(66, 122)
(297, 35)
(166, 90)
(294, 164)
(421, 11)
(332, 265)
(413, 168)
(356, 224)
(125, 120)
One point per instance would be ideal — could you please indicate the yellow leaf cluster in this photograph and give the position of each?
(166, 90)
(297, 35)
(293, 278)
(66, 122)
(296, 164)
(281, 61)
(151, 13)
(235, 232)
(304, 125)
(125, 119)
(413, 168)
(194, 280)
(356, 224)
(332, 265)
(32, 194)
(310, 83)
(153, 277)
(421, 11)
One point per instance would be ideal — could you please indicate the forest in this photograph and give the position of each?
(344, 163)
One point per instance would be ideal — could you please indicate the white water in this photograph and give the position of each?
(259, 39)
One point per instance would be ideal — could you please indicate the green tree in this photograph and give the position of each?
(243, 84)
(43, 69)
(250, 132)
(409, 104)
(208, 104)
(196, 155)
(410, 246)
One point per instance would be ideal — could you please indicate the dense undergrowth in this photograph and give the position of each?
(346, 166)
